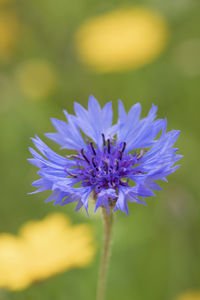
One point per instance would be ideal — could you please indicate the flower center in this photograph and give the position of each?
(104, 168)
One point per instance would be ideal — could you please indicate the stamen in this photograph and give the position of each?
(121, 152)
(70, 174)
(124, 146)
(117, 163)
(92, 147)
(141, 154)
(93, 162)
(92, 173)
(106, 165)
(84, 156)
(103, 138)
(139, 173)
(109, 146)
(74, 156)
(113, 184)
(120, 155)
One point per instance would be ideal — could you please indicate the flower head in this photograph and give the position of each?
(112, 163)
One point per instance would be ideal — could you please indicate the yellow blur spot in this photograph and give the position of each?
(36, 79)
(9, 34)
(42, 249)
(5, 1)
(122, 39)
(13, 260)
(192, 295)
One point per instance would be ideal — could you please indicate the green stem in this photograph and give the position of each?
(108, 220)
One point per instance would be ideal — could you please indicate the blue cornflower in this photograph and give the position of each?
(113, 164)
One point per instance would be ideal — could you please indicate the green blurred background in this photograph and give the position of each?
(156, 250)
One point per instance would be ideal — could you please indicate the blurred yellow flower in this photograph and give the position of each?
(192, 295)
(122, 39)
(13, 263)
(43, 249)
(36, 79)
(56, 245)
(4, 1)
(9, 34)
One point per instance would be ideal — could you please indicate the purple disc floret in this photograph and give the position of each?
(112, 163)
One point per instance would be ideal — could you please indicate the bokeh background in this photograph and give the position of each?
(53, 53)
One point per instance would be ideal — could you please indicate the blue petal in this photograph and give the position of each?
(71, 198)
(95, 121)
(121, 203)
(68, 135)
(52, 197)
(50, 154)
(103, 198)
(107, 116)
(121, 111)
(84, 194)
